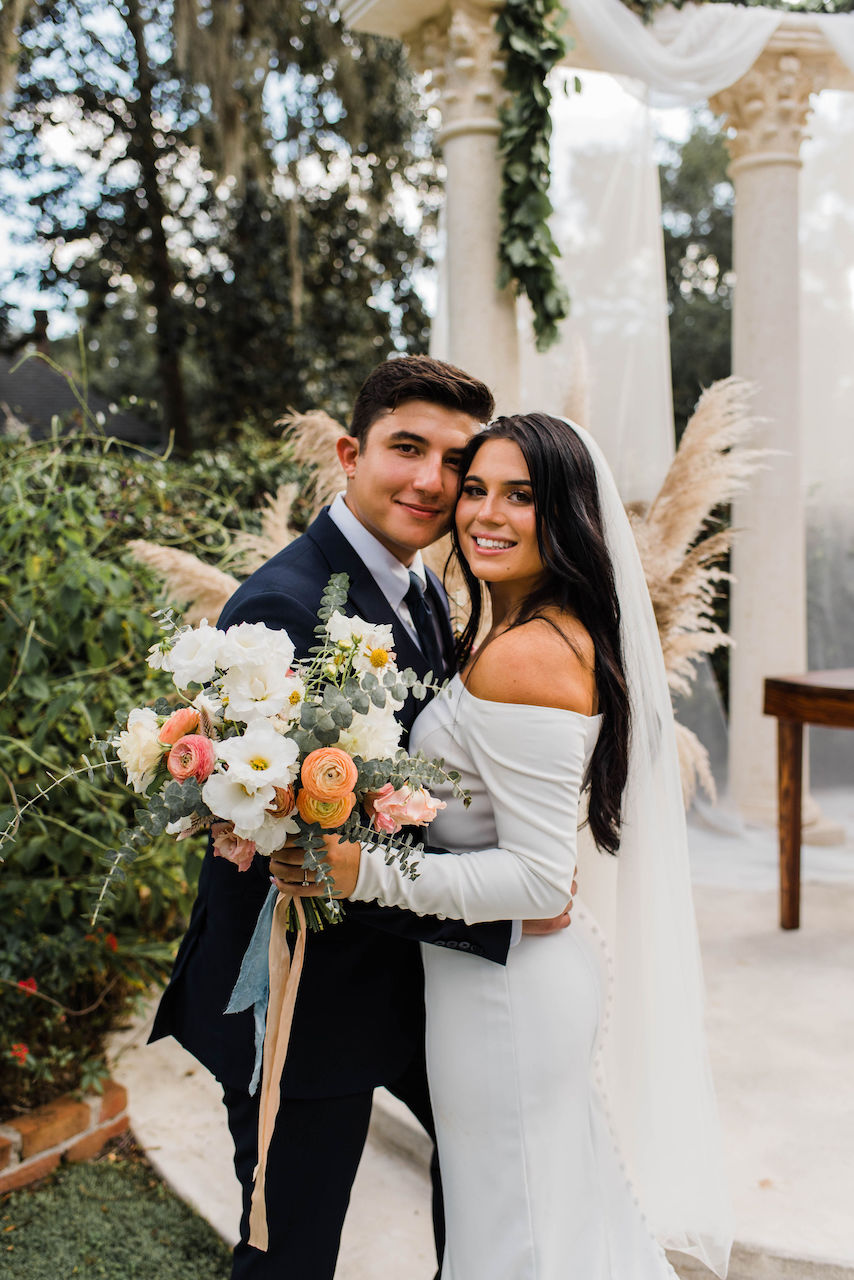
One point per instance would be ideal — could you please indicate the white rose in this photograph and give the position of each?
(229, 798)
(374, 735)
(139, 749)
(195, 655)
(256, 691)
(254, 643)
(259, 758)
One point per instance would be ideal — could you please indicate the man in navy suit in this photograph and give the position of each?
(359, 1017)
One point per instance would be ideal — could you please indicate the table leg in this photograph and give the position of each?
(790, 756)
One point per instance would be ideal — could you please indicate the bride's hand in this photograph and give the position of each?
(289, 875)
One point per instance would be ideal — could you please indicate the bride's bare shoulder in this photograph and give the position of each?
(547, 662)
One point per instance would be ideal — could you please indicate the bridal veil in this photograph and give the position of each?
(657, 1071)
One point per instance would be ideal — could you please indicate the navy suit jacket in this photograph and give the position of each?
(359, 1016)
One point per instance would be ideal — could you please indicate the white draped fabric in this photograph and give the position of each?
(827, 408)
(610, 368)
(685, 55)
(838, 31)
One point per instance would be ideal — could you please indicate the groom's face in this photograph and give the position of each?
(402, 477)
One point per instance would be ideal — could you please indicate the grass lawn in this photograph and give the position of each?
(110, 1218)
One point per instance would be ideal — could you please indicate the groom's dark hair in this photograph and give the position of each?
(404, 378)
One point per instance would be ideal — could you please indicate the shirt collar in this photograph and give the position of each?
(390, 575)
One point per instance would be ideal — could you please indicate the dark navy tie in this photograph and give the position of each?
(424, 622)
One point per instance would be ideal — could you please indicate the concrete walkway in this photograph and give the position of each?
(781, 1028)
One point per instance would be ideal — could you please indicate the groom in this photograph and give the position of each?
(359, 1017)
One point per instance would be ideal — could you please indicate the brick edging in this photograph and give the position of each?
(69, 1128)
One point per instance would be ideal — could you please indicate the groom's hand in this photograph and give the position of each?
(343, 857)
(541, 928)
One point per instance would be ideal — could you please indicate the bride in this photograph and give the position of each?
(574, 1111)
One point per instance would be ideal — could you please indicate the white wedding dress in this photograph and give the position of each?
(534, 1184)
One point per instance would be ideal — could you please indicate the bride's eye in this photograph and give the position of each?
(472, 490)
(520, 495)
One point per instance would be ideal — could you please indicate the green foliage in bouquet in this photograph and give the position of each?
(75, 623)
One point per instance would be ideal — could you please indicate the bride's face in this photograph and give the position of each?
(495, 518)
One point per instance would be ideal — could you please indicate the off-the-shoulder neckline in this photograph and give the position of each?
(531, 706)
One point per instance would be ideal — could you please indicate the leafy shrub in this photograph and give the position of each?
(75, 626)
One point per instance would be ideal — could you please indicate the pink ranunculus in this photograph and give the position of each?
(406, 807)
(227, 845)
(191, 757)
(184, 720)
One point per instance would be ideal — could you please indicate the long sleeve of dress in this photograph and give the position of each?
(531, 761)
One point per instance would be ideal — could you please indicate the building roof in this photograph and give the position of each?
(34, 393)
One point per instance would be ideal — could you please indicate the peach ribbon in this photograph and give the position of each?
(284, 983)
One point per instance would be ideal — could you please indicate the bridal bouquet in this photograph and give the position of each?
(264, 749)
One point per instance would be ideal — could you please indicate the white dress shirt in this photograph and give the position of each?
(390, 575)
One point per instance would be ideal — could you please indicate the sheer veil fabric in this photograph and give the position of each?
(656, 1060)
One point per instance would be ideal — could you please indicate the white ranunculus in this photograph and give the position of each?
(195, 655)
(226, 795)
(255, 644)
(273, 833)
(259, 758)
(374, 735)
(138, 748)
(256, 691)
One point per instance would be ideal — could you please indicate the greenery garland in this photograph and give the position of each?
(531, 44)
(648, 8)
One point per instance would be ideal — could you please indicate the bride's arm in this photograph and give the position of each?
(531, 759)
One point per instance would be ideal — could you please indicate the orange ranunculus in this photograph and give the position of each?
(326, 813)
(183, 721)
(328, 774)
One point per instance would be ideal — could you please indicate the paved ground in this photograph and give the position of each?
(781, 1027)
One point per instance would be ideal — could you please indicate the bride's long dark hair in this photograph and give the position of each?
(579, 580)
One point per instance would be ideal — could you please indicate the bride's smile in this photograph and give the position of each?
(496, 519)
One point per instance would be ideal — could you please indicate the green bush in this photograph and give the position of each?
(75, 626)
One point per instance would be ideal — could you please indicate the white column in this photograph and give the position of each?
(460, 50)
(766, 114)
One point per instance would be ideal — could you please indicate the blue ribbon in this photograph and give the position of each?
(252, 988)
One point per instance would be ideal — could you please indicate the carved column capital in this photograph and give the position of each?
(460, 51)
(767, 109)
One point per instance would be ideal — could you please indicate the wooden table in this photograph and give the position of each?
(818, 697)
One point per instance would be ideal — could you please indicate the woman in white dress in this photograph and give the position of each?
(566, 1153)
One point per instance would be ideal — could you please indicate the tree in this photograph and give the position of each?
(697, 205)
(95, 77)
(244, 208)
